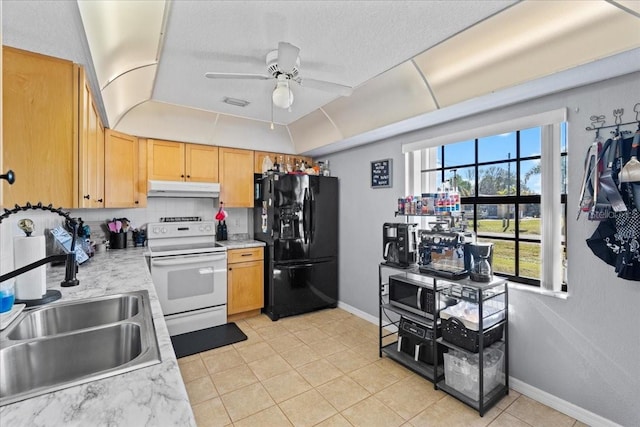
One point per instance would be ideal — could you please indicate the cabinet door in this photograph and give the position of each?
(236, 177)
(121, 170)
(201, 163)
(259, 157)
(142, 173)
(90, 147)
(245, 287)
(40, 107)
(165, 160)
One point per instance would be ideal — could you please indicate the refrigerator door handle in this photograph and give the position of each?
(295, 267)
(305, 215)
(312, 207)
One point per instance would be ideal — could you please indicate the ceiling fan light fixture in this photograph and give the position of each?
(282, 96)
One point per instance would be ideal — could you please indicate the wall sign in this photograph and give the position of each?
(381, 173)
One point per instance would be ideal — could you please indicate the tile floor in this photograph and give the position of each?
(323, 369)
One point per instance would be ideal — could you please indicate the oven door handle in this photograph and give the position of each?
(187, 259)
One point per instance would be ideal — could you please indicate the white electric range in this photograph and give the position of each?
(189, 273)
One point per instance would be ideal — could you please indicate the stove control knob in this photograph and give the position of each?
(201, 228)
(208, 228)
(164, 230)
(156, 230)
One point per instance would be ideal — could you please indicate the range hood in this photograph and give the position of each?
(183, 189)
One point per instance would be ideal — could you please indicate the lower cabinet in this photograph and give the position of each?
(245, 282)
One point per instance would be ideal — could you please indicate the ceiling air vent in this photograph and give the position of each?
(235, 101)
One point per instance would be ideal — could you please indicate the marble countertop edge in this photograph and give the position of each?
(154, 395)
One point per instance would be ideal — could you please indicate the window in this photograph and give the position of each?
(513, 193)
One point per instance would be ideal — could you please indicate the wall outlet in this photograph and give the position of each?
(385, 289)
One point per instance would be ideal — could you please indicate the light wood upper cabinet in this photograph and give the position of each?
(277, 158)
(179, 161)
(91, 147)
(201, 163)
(142, 172)
(259, 158)
(122, 188)
(236, 177)
(165, 160)
(40, 133)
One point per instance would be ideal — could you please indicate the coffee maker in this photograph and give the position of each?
(399, 244)
(479, 259)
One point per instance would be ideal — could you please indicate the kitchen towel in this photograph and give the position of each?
(32, 284)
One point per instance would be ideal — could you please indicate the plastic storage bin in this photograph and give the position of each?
(461, 371)
(460, 324)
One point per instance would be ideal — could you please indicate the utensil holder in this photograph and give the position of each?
(118, 241)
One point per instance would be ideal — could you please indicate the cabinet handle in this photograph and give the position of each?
(188, 176)
(99, 200)
(246, 254)
(87, 197)
(181, 176)
(9, 176)
(136, 202)
(230, 269)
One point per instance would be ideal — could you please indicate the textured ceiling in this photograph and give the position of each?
(342, 42)
(406, 60)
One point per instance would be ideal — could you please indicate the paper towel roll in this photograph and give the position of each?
(32, 284)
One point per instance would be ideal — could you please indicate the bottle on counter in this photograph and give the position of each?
(224, 230)
(326, 171)
(267, 165)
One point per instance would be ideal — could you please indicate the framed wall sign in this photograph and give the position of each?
(381, 173)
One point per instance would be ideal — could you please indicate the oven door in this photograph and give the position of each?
(190, 282)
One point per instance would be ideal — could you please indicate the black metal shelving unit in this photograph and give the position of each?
(461, 290)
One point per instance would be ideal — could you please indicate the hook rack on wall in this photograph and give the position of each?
(598, 121)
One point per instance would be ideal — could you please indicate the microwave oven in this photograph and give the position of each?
(415, 293)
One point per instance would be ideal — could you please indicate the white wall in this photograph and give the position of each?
(583, 350)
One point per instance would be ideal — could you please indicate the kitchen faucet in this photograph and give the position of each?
(69, 258)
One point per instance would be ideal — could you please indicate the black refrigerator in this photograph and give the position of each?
(297, 217)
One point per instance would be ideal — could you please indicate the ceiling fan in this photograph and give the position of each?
(283, 65)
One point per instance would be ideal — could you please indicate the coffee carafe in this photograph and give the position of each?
(481, 258)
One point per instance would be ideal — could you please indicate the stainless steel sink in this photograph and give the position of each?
(68, 344)
(58, 319)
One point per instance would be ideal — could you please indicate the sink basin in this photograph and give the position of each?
(68, 344)
(61, 318)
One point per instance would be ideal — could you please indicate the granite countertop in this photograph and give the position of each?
(240, 243)
(151, 396)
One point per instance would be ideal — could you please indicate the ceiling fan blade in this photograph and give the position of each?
(287, 56)
(242, 76)
(327, 86)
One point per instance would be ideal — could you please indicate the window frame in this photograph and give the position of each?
(553, 203)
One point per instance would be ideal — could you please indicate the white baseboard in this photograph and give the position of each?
(534, 393)
(361, 314)
(568, 408)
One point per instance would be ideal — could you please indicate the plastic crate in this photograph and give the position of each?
(467, 312)
(461, 371)
(454, 331)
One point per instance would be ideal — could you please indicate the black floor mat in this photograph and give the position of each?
(206, 339)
